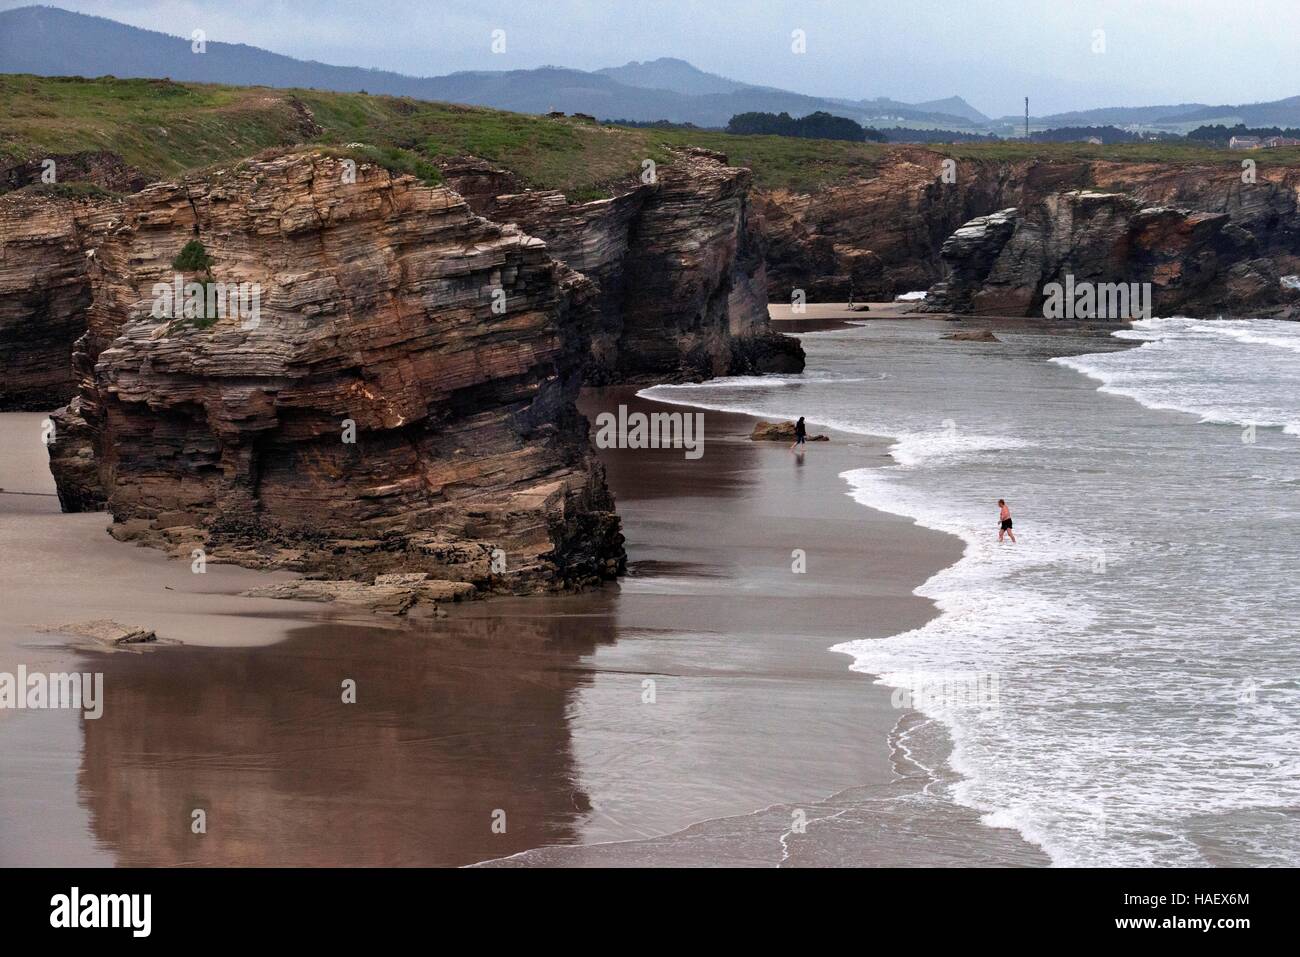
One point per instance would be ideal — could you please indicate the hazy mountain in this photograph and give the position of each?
(952, 106)
(669, 73)
(1114, 115)
(1275, 113)
(53, 42)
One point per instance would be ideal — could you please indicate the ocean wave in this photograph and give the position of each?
(1226, 372)
(1103, 624)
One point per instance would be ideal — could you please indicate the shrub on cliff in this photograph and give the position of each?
(193, 257)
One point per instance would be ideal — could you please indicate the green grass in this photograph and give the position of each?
(165, 128)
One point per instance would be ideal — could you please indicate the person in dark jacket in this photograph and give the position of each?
(800, 434)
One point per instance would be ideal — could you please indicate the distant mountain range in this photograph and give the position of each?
(52, 42)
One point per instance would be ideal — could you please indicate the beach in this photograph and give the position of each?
(701, 688)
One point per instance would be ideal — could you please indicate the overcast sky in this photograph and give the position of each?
(992, 52)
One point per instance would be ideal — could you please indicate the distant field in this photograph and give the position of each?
(166, 128)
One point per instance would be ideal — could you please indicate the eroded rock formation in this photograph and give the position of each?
(680, 268)
(1192, 262)
(914, 222)
(879, 235)
(377, 414)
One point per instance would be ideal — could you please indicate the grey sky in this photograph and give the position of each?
(993, 52)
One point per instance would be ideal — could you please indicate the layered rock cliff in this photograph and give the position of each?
(45, 247)
(680, 266)
(923, 220)
(1170, 259)
(880, 235)
(399, 398)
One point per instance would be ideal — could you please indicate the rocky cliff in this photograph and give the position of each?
(399, 397)
(45, 246)
(679, 264)
(1209, 238)
(880, 235)
(1177, 260)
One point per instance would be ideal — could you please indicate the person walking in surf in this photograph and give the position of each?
(1004, 514)
(800, 435)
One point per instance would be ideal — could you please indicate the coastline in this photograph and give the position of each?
(753, 711)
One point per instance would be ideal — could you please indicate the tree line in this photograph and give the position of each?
(816, 126)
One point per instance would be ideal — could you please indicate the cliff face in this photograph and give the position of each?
(400, 399)
(1194, 262)
(880, 235)
(1207, 241)
(44, 294)
(680, 268)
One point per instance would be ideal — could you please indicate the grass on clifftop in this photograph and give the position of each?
(165, 128)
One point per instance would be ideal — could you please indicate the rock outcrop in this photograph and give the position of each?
(879, 235)
(780, 432)
(970, 253)
(45, 247)
(72, 461)
(398, 594)
(924, 220)
(679, 264)
(102, 168)
(974, 335)
(400, 399)
(1139, 259)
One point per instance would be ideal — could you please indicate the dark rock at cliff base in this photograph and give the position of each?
(780, 432)
(72, 459)
(974, 335)
(382, 414)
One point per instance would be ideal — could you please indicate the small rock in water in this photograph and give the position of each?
(106, 632)
(779, 432)
(975, 335)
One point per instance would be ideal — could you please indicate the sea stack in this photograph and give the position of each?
(401, 399)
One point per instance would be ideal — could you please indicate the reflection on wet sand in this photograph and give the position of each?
(441, 736)
(535, 707)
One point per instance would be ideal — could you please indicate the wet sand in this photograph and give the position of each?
(697, 690)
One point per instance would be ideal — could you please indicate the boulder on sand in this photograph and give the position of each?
(391, 594)
(779, 432)
(974, 335)
(106, 632)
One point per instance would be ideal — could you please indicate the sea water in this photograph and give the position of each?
(1141, 634)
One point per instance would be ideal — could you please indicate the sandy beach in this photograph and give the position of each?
(699, 689)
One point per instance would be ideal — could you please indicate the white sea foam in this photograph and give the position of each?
(1141, 628)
